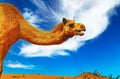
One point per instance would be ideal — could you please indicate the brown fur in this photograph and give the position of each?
(14, 27)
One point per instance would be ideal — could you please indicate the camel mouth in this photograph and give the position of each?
(80, 32)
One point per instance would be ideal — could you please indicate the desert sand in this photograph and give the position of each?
(40, 76)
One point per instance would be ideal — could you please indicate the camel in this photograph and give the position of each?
(13, 27)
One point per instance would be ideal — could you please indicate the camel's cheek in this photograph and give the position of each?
(66, 28)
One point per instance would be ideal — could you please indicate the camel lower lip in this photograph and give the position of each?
(81, 34)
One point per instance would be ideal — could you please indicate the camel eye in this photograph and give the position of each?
(71, 25)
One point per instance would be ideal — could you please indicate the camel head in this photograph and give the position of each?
(72, 28)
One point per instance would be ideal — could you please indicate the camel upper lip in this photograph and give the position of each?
(80, 30)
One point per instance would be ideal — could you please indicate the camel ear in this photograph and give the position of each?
(64, 20)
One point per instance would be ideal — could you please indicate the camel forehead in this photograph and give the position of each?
(70, 21)
(75, 24)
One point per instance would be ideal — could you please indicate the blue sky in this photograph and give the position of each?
(98, 50)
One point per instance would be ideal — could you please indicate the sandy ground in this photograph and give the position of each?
(39, 76)
(32, 76)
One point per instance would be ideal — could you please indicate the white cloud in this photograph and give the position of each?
(93, 13)
(19, 65)
(32, 17)
(32, 50)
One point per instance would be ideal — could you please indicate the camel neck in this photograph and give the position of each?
(40, 37)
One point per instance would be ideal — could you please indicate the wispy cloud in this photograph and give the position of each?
(93, 13)
(32, 17)
(19, 65)
(40, 4)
